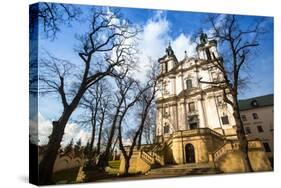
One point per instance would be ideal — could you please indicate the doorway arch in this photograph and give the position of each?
(189, 153)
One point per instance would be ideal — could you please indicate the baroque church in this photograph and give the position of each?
(183, 103)
(195, 128)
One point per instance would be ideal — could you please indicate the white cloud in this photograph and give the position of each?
(154, 40)
(40, 129)
(75, 132)
(183, 43)
(45, 129)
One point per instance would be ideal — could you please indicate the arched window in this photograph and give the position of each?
(166, 128)
(208, 53)
(188, 84)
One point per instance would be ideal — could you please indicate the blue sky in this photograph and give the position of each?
(159, 28)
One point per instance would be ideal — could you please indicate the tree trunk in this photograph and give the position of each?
(114, 145)
(127, 166)
(241, 134)
(100, 131)
(104, 160)
(106, 155)
(47, 164)
(140, 138)
(93, 121)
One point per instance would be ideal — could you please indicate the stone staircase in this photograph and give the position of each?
(184, 169)
(232, 146)
(152, 158)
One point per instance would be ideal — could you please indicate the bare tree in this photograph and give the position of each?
(123, 91)
(147, 100)
(149, 126)
(92, 102)
(52, 16)
(103, 51)
(145, 97)
(238, 42)
(104, 114)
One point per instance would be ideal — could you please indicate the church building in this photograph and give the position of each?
(183, 103)
(194, 126)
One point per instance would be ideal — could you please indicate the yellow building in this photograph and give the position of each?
(195, 128)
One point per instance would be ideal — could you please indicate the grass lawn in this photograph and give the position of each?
(114, 164)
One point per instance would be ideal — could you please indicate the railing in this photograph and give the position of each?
(227, 147)
(192, 113)
(254, 144)
(198, 131)
(146, 157)
(160, 146)
(158, 158)
(234, 146)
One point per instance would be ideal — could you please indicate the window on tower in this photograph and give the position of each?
(188, 84)
(220, 100)
(166, 128)
(207, 50)
(191, 107)
(214, 76)
(166, 67)
(224, 120)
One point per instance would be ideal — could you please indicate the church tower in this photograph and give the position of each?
(207, 49)
(183, 102)
(169, 61)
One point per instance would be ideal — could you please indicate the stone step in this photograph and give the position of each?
(178, 170)
(173, 172)
(191, 165)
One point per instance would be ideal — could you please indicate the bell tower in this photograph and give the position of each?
(207, 49)
(169, 61)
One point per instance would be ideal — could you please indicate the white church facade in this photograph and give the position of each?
(195, 128)
(183, 103)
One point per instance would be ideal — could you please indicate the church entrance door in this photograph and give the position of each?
(189, 153)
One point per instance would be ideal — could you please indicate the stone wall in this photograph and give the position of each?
(202, 146)
(136, 164)
(64, 162)
(234, 161)
(67, 162)
(208, 147)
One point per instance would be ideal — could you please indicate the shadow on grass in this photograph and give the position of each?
(66, 176)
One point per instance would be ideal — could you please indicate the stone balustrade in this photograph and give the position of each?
(159, 159)
(194, 132)
(227, 147)
(146, 157)
(234, 146)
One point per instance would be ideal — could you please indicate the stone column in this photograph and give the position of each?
(182, 120)
(201, 112)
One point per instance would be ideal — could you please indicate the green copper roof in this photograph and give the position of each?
(256, 102)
